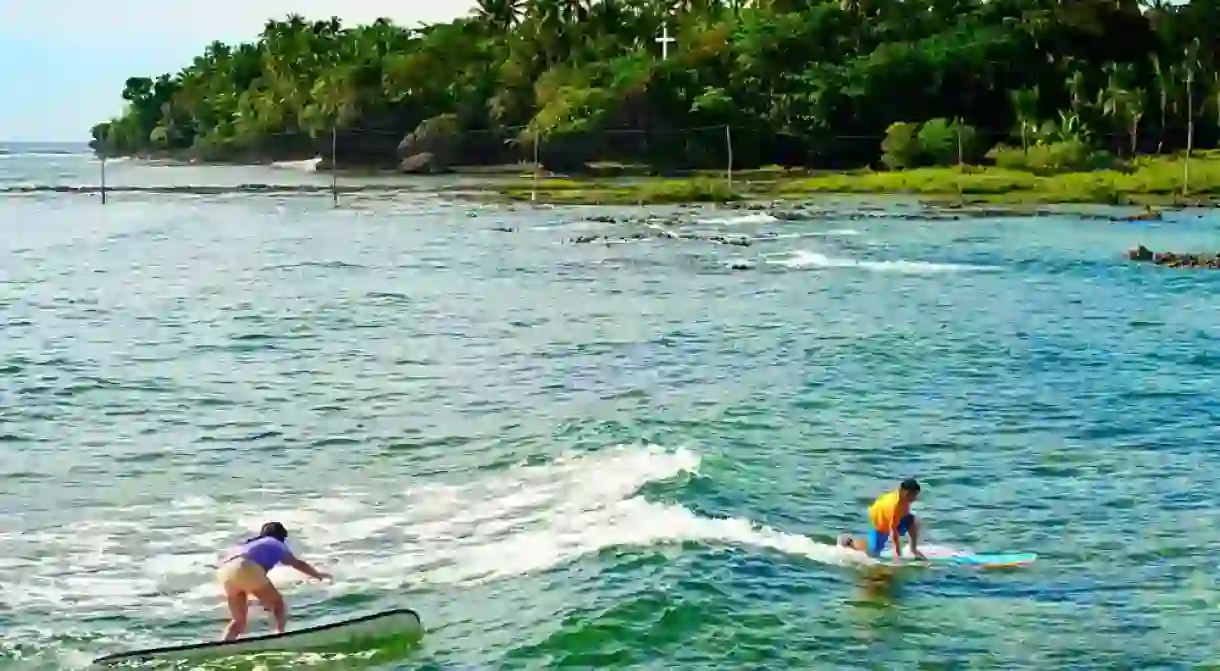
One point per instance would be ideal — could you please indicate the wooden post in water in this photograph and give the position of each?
(728, 139)
(103, 157)
(334, 164)
(537, 167)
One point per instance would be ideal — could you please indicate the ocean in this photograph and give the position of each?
(630, 453)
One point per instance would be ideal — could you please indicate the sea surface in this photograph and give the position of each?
(624, 454)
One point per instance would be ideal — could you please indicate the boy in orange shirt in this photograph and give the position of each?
(891, 518)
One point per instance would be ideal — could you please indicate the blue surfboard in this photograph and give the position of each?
(1000, 560)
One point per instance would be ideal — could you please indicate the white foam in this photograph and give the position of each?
(306, 165)
(832, 233)
(803, 258)
(755, 218)
(159, 559)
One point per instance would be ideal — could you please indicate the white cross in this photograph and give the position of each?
(664, 41)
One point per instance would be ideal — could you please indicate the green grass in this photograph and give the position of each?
(1147, 179)
(651, 190)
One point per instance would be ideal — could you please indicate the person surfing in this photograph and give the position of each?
(891, 517)
(243, 573)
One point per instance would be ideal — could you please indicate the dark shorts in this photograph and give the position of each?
(878, 539)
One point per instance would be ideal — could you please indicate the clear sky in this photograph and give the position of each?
(63, 62)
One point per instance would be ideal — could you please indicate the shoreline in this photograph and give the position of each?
(1148, 181)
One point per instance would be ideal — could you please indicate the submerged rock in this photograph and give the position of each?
(1175, 259)
(1140, 253)
(661, 233)
(1147, 215)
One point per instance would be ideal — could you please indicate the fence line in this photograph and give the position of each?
(603, 139)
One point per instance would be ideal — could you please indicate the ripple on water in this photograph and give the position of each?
(605, 455)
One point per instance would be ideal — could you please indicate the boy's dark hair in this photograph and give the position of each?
(910, 485)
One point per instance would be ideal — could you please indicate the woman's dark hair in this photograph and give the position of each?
(911, 485)
(272, 529)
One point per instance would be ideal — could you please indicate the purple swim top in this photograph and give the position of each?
(265, 551)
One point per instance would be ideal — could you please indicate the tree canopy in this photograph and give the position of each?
(809, 82)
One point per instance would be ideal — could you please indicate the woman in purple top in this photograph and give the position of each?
(244, 574)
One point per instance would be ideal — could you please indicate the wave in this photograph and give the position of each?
(521, 520)
(755, 218)
(39, 153)
(831, 233)
(803, 258)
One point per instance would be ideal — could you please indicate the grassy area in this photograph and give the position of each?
(1148, 179)
(646, 190)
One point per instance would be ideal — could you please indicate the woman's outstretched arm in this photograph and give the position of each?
(304, 567)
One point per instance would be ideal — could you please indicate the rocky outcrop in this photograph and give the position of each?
(740, 241)
(1175, 259)
(433, 146)
(1147, 215)
(443, 144)
(422, 162)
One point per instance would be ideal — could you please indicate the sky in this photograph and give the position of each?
(63, 62)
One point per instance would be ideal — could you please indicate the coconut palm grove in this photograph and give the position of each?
(792, 82)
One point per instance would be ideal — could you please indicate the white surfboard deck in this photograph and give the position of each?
(379, 625)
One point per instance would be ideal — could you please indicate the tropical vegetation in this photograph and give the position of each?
(1039, 86)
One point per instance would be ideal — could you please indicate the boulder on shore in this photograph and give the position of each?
(432, 146)
(416, 163)
(1175, 259)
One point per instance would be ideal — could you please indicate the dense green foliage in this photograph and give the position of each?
(797, 81)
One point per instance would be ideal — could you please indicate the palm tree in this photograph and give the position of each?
(1163, 83)
(1216, 92)
(501, 15)
(1077, 86)
(545, 19)
(1123, 105)
(1134, 113)
(1025, 106)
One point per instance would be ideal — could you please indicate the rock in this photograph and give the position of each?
(656, 232)
(1140, 253)
(1147, 215)
(440, 137)
(417, 163)
(1174, 259)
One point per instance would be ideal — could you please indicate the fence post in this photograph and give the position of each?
(537, 166)
(103, 157)
(728, 139)
(960, 161)
(1191, 55)
(334, 163)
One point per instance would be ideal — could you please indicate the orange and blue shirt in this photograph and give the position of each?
(887, 513)
(887, 510)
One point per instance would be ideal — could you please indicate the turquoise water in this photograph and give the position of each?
(628, 455)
